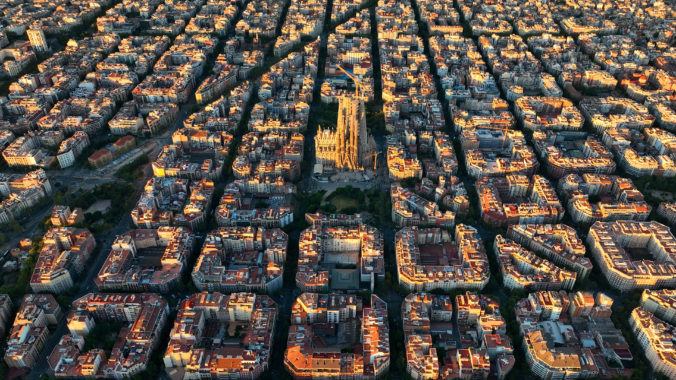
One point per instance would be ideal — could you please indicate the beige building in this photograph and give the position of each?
(613, 244)
(37, 39)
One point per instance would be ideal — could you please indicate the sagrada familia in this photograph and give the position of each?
(349, 147)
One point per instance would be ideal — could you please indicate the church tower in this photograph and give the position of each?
(349, 147)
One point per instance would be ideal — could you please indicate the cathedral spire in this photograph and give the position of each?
(349, 147)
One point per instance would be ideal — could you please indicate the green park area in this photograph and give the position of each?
(345, 202)
(349, 200)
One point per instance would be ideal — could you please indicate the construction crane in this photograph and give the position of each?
(357, 83)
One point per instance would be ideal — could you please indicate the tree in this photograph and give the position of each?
(15, 226)
(441, 353)
(63, 300)
(46, 223)
(350, 210)
(328, 207)
(401, 362)
(194, 108)
(409, 182)
(132, 170)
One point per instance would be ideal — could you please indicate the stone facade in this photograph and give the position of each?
(349, 147)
